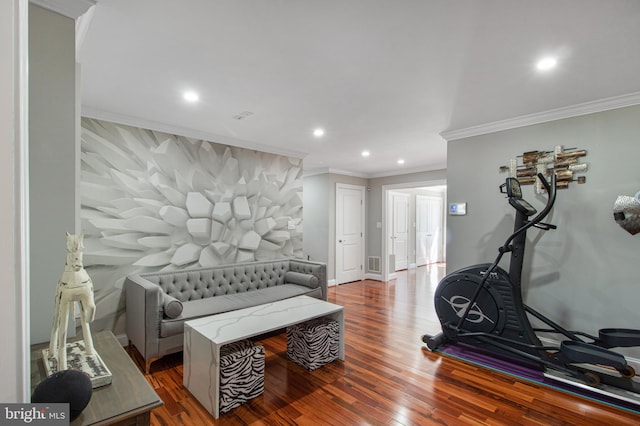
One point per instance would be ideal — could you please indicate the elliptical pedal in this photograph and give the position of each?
(586, 353)
(618, 337)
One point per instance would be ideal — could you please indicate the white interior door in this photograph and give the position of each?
(349, 233)
(400, 229)
(435, 229)
(421, 230)
(429, 235)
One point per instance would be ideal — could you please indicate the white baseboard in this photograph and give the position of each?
(368, 276)
(393, 276)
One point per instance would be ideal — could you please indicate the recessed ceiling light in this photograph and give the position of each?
(401, 161)
(366, 153)
(318, 133)
(545, 64)
(190, 96)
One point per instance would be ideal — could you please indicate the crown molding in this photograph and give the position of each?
(348, 173)
(82, 26)
(127, 120)
(98, 114)
(402, 172)
(314, 172)
(591, 107)
(326, 170)
(69, 8)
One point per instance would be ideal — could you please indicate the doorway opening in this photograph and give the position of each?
(414, 224)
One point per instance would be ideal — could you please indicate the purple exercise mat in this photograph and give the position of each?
(531, 372)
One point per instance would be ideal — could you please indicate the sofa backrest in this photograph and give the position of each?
(307, 268)
(201, 283)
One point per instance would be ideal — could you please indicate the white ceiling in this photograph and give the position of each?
(388, 76)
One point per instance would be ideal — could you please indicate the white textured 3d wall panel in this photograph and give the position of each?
(152, 201)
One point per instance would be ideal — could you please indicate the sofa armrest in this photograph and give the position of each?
(171, 307)
(143, 314)
(318, 269)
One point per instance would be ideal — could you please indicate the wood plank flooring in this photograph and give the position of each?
(387, 378)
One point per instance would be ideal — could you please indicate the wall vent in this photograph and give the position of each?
(373, 264)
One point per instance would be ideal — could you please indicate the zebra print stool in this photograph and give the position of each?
(241, 373)
(314, 343)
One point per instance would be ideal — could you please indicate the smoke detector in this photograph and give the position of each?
(243, 115)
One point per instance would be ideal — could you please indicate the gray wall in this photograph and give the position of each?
(584, 274)
(53, 157)
(315, 217)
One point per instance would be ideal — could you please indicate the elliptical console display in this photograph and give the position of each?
(482, 306)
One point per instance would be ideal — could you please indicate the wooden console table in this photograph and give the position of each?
(128, 400)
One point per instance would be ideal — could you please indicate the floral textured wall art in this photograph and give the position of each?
(152, 201)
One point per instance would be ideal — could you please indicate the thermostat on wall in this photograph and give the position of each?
(458, 209)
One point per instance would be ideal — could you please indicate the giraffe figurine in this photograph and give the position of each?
(75, 285)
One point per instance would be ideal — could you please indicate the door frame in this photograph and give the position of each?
(362, 190)
(385, 231)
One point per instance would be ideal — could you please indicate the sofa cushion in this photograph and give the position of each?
(230, 302)
(306, 280)
(172, 306)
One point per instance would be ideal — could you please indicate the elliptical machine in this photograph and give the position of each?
(481, 306)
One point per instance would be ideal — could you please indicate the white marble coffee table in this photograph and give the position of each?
(203, 338)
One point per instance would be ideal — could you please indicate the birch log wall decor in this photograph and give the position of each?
(565, 163)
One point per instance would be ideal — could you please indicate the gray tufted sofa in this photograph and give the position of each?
(158, 304)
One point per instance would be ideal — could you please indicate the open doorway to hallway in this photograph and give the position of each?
(414, 226)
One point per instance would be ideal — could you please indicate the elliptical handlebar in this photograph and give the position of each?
(551, 190)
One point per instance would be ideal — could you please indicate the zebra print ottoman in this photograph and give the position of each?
(241, 373)
(314, 343)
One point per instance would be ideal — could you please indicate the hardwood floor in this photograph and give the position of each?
(387, 378)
